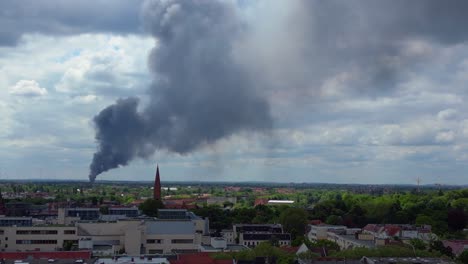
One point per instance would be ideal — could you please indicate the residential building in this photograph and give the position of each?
(404, 232)
(377, 260)
(251, 235)
(318, 232)
(253, 239)
(457, 246)
(345, 237)
(348, 241)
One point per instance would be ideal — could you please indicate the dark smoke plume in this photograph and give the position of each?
(199, 95)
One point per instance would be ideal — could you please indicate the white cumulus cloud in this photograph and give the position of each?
(29, 88)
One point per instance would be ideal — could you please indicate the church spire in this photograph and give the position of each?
(157, 186)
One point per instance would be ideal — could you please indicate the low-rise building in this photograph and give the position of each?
(404, 232)
(38, 238)
(253, 239)
(345, 237)
(251, 235)
(318, 232)
(164, 237)
(390, 260)
(457, 246)
(133, 236)
(349, 241)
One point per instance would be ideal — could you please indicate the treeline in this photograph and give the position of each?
(445, 211)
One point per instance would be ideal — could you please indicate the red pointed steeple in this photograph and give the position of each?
(157, 186)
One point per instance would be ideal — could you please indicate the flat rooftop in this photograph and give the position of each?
(132, 260)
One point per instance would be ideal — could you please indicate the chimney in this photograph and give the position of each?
(157, 186)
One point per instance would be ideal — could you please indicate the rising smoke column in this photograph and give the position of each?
(199, 94)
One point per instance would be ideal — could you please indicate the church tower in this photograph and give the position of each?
(157, 186)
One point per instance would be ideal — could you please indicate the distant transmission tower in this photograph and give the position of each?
(439, 183)
(418, 182)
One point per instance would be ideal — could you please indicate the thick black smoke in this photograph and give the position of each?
(199, 95)
(206, 57)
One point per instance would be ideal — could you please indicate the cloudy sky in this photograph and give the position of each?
(283, 91)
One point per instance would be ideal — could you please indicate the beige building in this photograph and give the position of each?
(171, 236)
(43, 238)
(132, 236)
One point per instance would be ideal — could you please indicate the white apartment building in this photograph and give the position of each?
(318, 232)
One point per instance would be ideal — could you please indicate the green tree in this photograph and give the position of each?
(294, 221)
(424, 220)
(418, 244)
(323, 243)
(463, 258)
(67, 245)
(104, 210)
(150, 207)
(456, 219)
(437, 245)
(334, 220)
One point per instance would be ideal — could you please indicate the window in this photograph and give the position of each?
(154, 241)
(27, 242)
(182, 241)
(69, 232)
(36, 232)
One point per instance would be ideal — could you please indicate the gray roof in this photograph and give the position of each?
(170, 227)
(408, 260)
(368, 243)
(112, 218)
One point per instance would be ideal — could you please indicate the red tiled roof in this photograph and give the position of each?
(289, 249)
(371, 228)
(260, 201)
(315, 222)
(392, 230)
(458, 246)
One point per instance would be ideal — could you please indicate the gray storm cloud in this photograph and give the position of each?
(218, 65)
(52, 17)
(199, 94)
